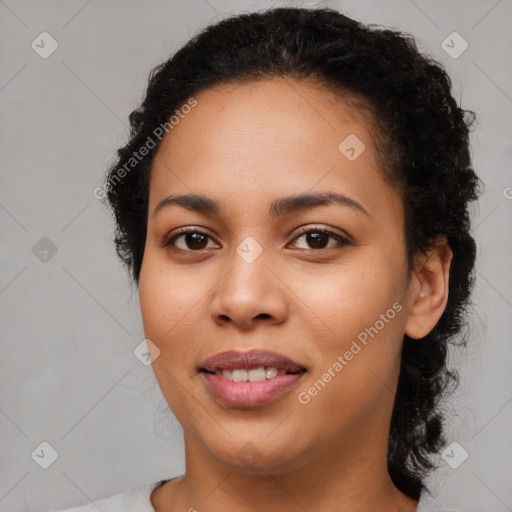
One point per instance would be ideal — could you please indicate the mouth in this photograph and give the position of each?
(254, 365)
(252, 375)
(250, 379)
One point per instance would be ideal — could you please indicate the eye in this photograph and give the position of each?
(318, 239)
(189, 239)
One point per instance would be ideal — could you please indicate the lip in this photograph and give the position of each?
(250, 394)
(243, 395)
(233, 359)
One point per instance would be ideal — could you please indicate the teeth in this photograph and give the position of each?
(254, 375)
(239, 375)
(271, 372)
(257, 374)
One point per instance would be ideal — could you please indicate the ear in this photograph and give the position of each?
(428, 289)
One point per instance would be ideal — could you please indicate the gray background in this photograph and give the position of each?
(69, 325)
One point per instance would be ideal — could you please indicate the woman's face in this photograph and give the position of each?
(259, 274)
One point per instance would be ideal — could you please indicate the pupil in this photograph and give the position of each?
(316, 239)
(196, 240)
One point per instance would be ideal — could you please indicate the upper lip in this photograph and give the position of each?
(233, 359)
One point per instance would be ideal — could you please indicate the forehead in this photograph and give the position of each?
(272, 136)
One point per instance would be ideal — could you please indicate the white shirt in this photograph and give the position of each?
(137, 499)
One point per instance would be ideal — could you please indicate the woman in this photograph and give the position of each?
(293, 206)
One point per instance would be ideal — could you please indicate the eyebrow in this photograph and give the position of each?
(278, 208)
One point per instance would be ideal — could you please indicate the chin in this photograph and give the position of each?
(257, 455)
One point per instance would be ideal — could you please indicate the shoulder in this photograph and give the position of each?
(428, 503)
(135, 499)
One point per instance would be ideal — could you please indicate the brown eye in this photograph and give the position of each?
(319, 239)
(189, 240)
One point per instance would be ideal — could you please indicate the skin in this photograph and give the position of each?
(245, 146)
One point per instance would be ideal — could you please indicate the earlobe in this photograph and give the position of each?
(428, 292)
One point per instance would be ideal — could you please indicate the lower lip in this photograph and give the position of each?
(250, 394)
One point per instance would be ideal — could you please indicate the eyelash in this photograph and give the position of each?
(342, 241)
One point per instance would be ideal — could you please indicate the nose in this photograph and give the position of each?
(249, 294)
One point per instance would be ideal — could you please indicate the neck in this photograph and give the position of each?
(352, 480)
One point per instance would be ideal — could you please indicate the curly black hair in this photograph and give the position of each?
(423, 141)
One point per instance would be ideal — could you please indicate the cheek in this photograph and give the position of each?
(360, 302)
(166, 305)
(166, 298)
(351, 297)
(357, 361)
